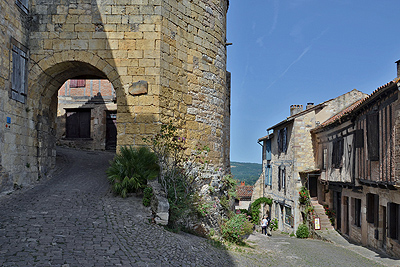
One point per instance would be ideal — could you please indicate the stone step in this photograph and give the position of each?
(323, 218)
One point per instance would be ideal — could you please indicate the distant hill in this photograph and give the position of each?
(248, 172)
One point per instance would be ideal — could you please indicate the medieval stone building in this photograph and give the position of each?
(166, 60)
(288, 154)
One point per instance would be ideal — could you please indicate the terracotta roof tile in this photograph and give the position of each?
(244, 191)
(356, 104)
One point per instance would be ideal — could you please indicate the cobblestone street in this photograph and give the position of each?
(74, 220)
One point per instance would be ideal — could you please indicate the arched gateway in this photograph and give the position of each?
(166, 60)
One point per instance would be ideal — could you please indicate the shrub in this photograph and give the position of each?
(302, 231)
(274, 224)
(147, 195)
(130, 170)
(177, 170)
(236, 227)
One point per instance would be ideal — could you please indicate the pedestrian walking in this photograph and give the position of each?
(264, 225)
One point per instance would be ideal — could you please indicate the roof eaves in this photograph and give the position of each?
(356, 105)
(287, 120)
(291, 118)
(269, 136)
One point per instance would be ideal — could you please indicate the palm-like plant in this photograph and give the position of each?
(131, 168)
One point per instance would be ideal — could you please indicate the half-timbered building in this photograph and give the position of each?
(358, 154)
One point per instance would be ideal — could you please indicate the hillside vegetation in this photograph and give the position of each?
(248, 172)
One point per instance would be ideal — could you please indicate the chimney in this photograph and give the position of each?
(242, 183)
(309, 105)
(398, 68)
(294, 109)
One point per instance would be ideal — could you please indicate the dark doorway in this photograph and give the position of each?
(313, 186)
(337, 207)
(346, 225)
(383, 208)
(78, 123)
(111, 130)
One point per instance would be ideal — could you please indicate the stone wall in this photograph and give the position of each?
(18, 138)
(166, 60)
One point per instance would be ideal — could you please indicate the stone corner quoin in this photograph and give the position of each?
(166, 60)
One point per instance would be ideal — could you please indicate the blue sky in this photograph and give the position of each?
(289, 52)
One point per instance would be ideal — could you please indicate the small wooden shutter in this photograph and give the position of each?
(84, 124)
(23, 4)
(268, 150)
(370, 208)
(393, 220)
(376, 210)
(18, 80)
(279, 178)
(76, 83)
(284, 140)
(78, 123)
(373, 136)
(359, 138)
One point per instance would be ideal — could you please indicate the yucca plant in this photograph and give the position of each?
(130, 170)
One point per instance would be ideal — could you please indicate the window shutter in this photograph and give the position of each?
(376, 210)
(82, 83)
(284, 141)
(74, 83)
(279, 141)
(23, 60)
(370, 208)
(84, 124)
(279, 178)
(268, 150)
(284, 178)
(373, 136)
(393, 220)
(359, 138)
(23, 4)
(18, 80)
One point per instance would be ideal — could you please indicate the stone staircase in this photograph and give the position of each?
(323, 218)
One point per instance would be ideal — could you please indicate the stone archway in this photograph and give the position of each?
(48, 76)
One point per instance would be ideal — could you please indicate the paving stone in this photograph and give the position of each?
(54, 224)
(74, 219)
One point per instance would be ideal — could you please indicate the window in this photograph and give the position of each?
(268, 149)
(373, 136)
(324, 155)
(78, 123)
(394, 220)
(77, 83)
(18, 82)
(281, 178)
(337, 153)
(282, 140)
(268, 175)
(288, 216)
(373, 209)
(23, 4)
(357, 212)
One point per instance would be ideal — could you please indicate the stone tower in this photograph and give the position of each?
(166, 60)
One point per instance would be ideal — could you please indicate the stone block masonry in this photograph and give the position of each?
(176, 46)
